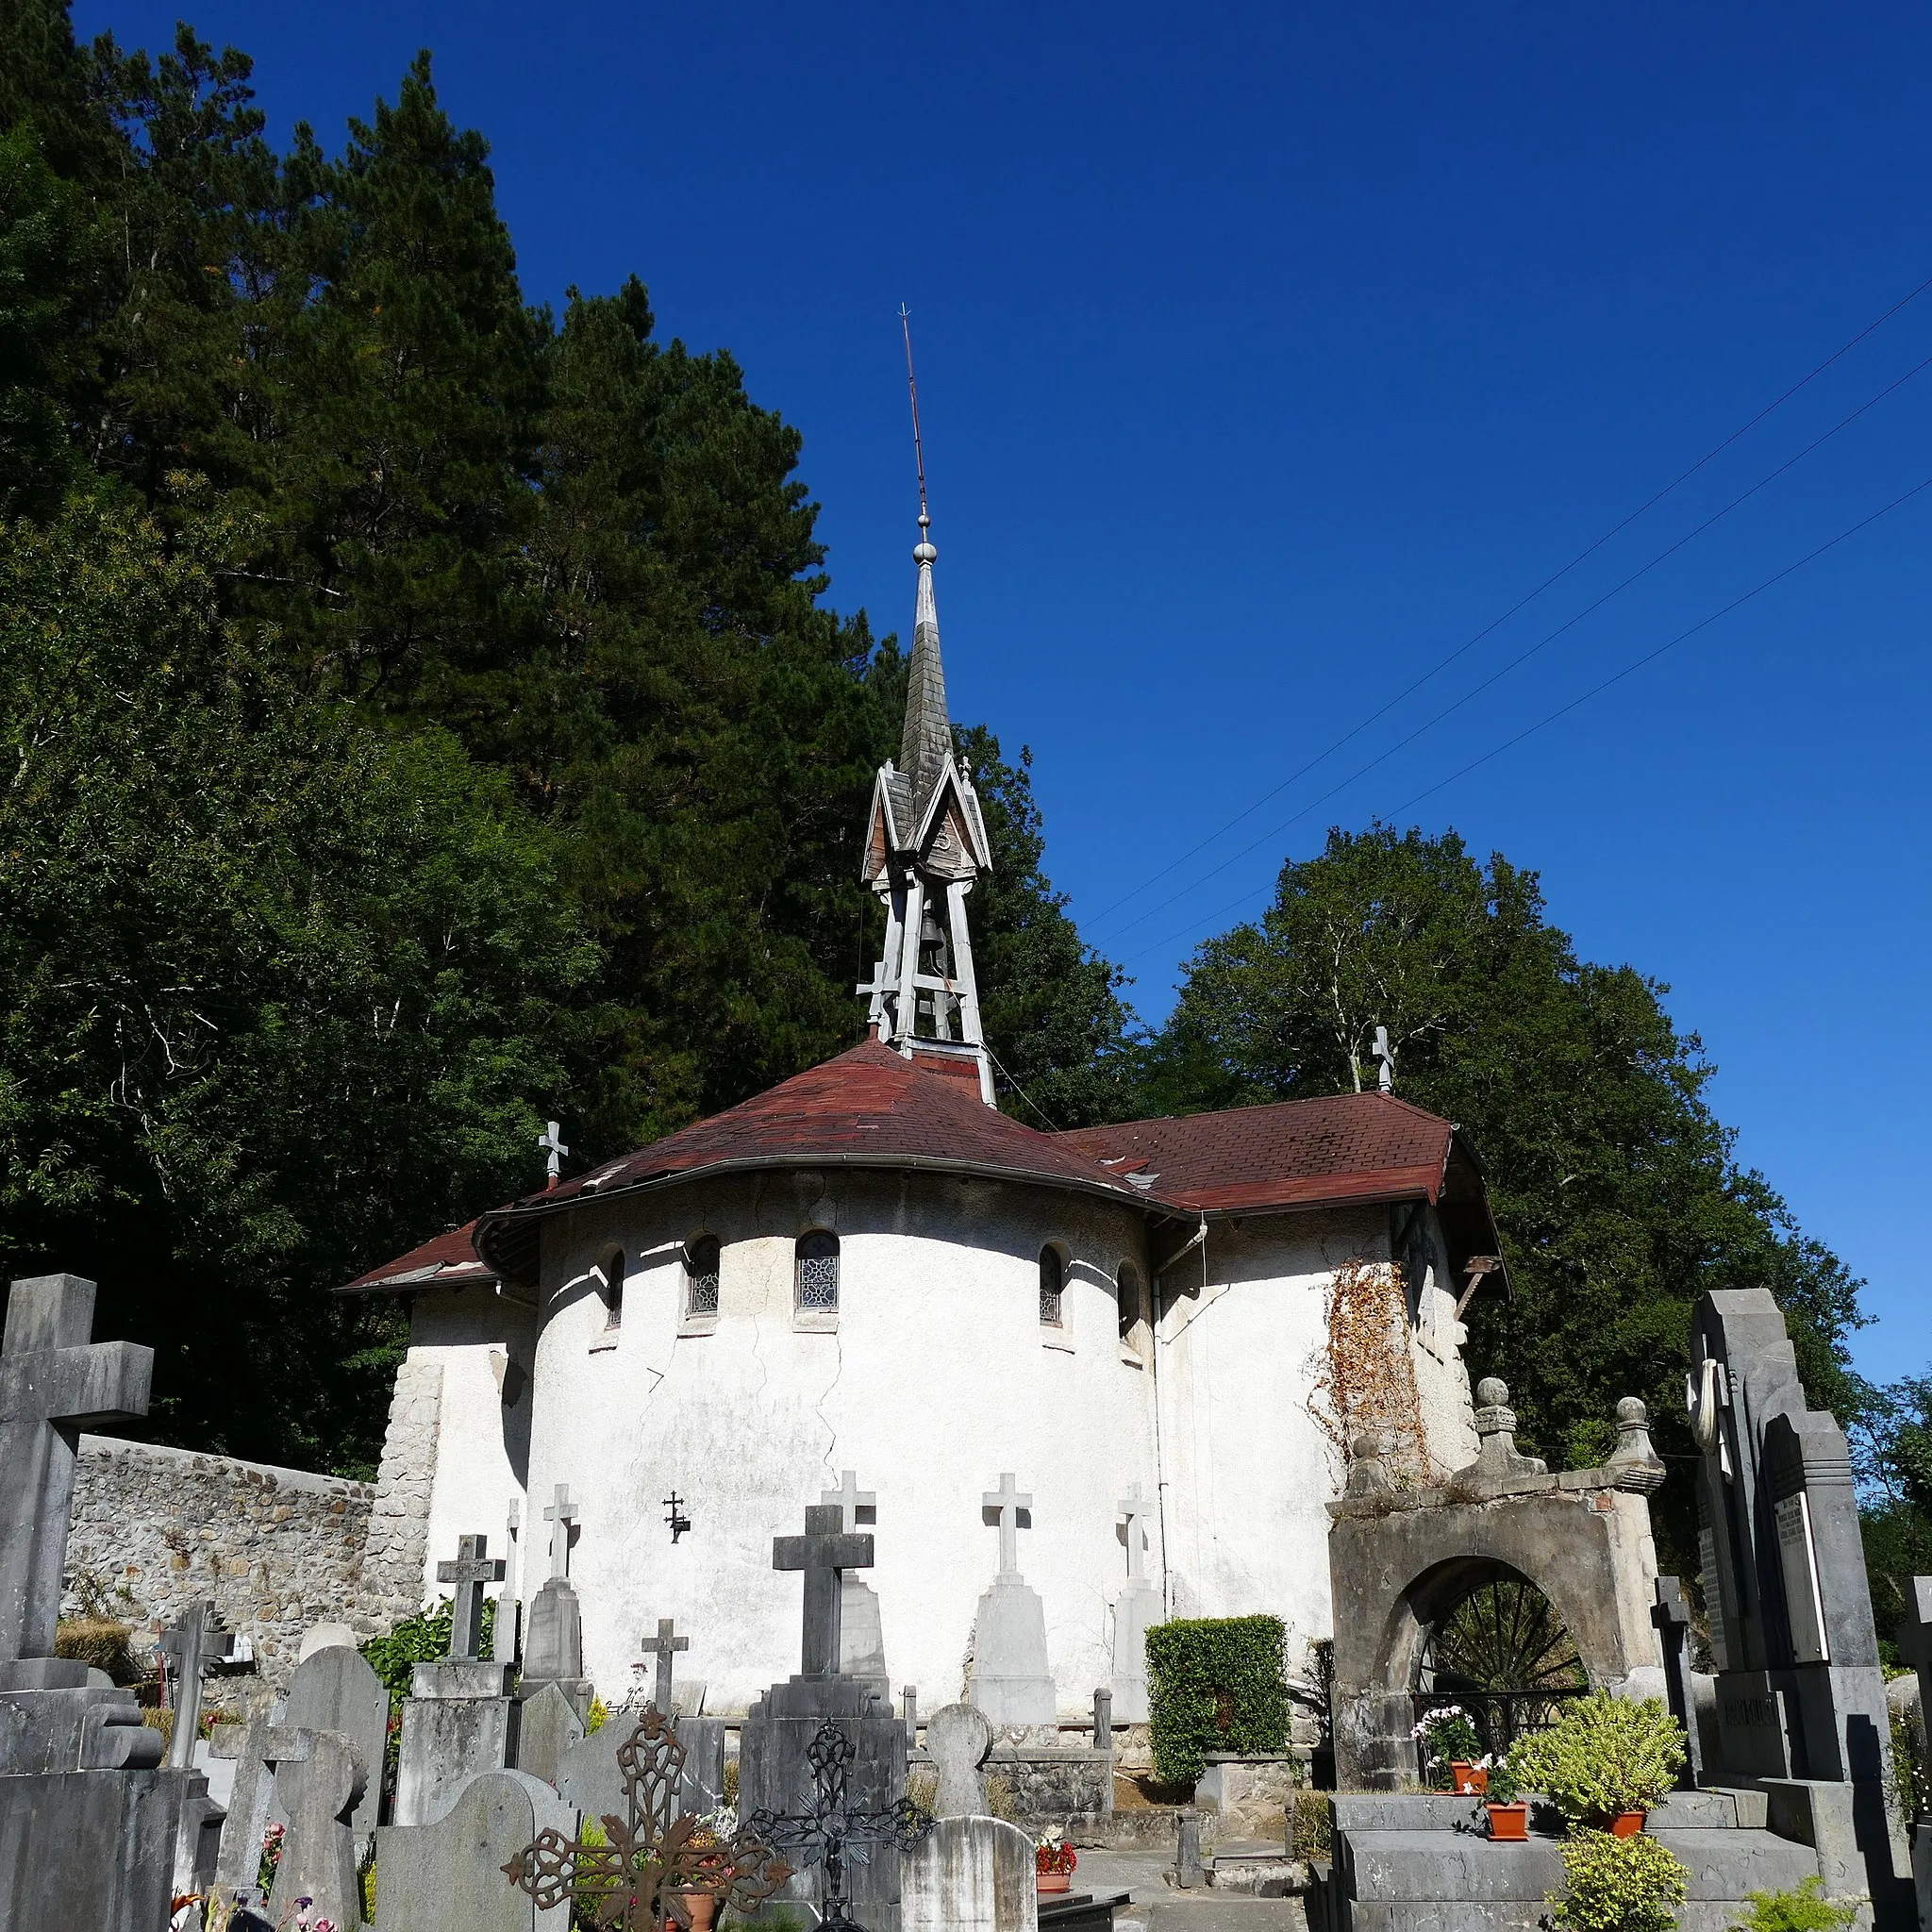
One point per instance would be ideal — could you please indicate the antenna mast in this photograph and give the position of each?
(912, 386)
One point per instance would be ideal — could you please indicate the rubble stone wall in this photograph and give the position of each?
(275, 1549)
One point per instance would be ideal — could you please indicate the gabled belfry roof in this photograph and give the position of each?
(874, 1108)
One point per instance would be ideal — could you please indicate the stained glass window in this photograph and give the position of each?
(1053, 1283)
(818, 1271)
(701, 1276)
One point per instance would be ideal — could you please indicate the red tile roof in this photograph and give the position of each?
(450, 1258)
(1290, 1154)
(873, 1107)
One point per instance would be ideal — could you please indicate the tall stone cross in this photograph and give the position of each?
(551, 1140)
(184, 1644)
(1915, 1647)
(473, 1567)
(1384, 1054)
(1009, 1502)
(53, 1384)
(1672, 1618)
(664, 1644)
(504, 1642)
(1135, 1510)
(823, 1553)
(850, 1499)
(559, 1515)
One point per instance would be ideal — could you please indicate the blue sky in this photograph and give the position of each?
(1267, 356)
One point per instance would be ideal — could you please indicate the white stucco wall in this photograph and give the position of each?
(937, 1377)
(485, 1345)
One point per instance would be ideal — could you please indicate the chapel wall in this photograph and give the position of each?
(1441, 1375)
(936, 1376)
(154, 1529)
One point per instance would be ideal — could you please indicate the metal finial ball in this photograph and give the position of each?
(1492, 1394)
(925, 553)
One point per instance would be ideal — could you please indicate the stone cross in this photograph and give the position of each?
(908, 1714)
(184, 1645)
(1915, 1647)
(664, 1643)
(1009, 1502)
(504, 1643)
(850, 1498)
(823, 1552)
(1384, 1054)
(473, 1567)
(53, 1385)
(1671, 1619)
(560, 1516)
(1133, 1508)
(552, 1142)
(1103, 1719)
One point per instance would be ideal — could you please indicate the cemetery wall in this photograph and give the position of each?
(154, 1529)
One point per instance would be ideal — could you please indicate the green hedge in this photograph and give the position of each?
(1215, 1684)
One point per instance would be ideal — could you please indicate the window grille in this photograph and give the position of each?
(701, 1276)
(1052, 1284)
(818, 1272)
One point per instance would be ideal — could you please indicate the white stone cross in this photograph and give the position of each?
(1386, 1054)
(666, 1643)
(552, 1142)
(504, 1640)
(53, 1384)
(849, 1497)
(560, 1516)
(1009, 1502)
(1133, 1508)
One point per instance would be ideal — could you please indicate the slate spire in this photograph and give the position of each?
(925, 749)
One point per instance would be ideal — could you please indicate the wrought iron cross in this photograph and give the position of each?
(829, 1832)
(639, 1879)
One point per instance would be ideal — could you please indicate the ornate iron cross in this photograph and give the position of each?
(639, 1879)
(830, 1832)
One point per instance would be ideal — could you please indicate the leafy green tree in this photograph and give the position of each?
(281, 990)
(1612, 1181)
(1892, 1455)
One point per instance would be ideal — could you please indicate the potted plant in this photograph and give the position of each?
(1606, 1761)
(708, 1837)
(1449, 1738)
(1054, 1860)
(1508, 1809)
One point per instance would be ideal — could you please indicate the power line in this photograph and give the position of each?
(1581, 557)
(1562, 711)
(1521, 657)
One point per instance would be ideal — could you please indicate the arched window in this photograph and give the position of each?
(610, 1270)
(817, 1289)
(1132, 1313)
(1053, 1283)
(701, 1276)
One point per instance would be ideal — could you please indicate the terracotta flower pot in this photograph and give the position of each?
(1468, 1776)
(1056, 1881)
(1509, 1823)
(703, 1907)
(1626, 1823)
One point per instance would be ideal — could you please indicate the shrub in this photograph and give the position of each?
(1603, 1756)
(1310, 1826)
(1802, 1911)
(101, 1644)
(423, 1639)
(1214, 1684)
(1618, 1884)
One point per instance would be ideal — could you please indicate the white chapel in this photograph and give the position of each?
(1093, 1365)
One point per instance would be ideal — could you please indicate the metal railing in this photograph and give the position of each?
(1500, 1717)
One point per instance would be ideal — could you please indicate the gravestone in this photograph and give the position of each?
(1672, 1618)
(554, 1642)
(908, 1713)
(90, 1825)
(333, 1689)
(448, 1876)
(324, 1637)
(784, 1725)
(1136, 1611)
(1011, 1680)
(1915, 1647)
(972, 1874)
(665, 1646)
(503, 1647)
(319, 1780)
(547, 1725)
(184, 1644)
(1103, 1719)
(959, 1740)
(861, 1634)
(458, 1719)
(250, 1794)
(1800, 1693)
